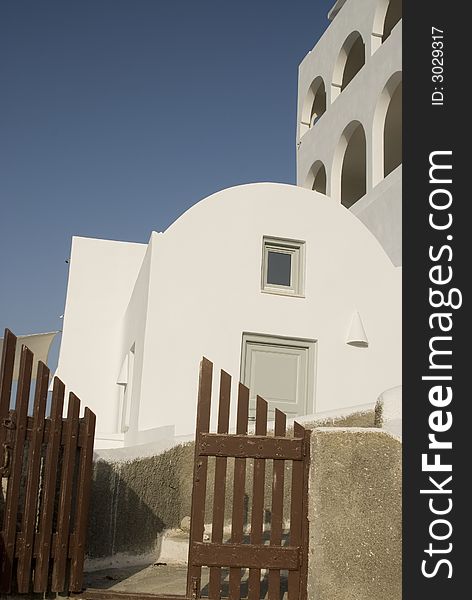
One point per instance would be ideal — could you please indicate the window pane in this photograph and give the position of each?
(279, 268)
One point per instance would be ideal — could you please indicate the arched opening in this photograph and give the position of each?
(392, 16)
(350, 61)
(353, 170)
(388, 13)
(319, 182)
(392, 135)
(314, 105)
(355, 61)
(316, 178)
(387, 130)
(319, 104)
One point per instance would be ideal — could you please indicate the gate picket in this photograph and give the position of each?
(297, 519)
(237, 523)
(257, 517)
(214, 587)
(197, 519)
(277, 506)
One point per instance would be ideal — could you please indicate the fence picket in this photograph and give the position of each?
(6, 379)
(296, 514)
(49, 487)
(32, 482)
(65, 498)
(14, 481)
(83, 498)
(197, 518)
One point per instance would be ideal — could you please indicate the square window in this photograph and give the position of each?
(283, 266)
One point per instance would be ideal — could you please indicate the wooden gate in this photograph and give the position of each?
(46, 471)
(246, 550)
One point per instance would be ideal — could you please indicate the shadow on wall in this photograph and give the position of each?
(133, 503)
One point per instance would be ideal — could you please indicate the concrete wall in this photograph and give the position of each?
(133, 503)
(355, 515)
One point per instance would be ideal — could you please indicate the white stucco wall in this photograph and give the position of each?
(134, 330)
(359, 101)
(205, 291)
(196, 288)
(102, 274)
(381, 212)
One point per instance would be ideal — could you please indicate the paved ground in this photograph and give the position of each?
(159, 579)
(163, 579)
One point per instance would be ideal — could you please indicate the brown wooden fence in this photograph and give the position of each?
(46, 471)
(244, 552)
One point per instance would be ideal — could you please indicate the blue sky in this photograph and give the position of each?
(117, 115)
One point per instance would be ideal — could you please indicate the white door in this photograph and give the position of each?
(281, 370)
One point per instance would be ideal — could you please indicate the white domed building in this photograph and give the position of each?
(294, 290)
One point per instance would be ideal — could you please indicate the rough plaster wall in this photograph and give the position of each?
(134, 502)
(355, 515)
(356, 419)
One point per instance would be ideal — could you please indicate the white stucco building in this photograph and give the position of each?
(283, 287)
(349, 133)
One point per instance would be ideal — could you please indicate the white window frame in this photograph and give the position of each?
(296, 249)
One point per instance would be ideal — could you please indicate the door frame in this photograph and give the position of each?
(268, 339)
